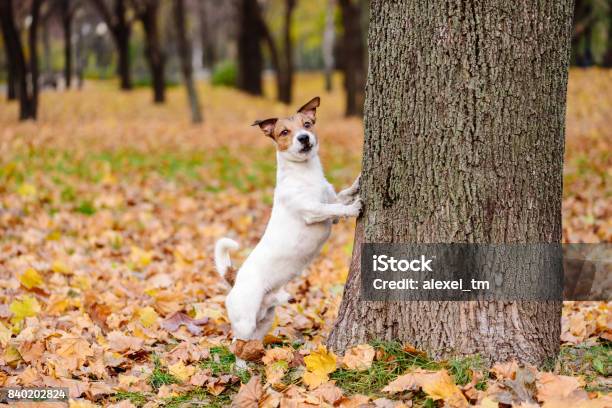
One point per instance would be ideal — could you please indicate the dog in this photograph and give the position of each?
(305, 206)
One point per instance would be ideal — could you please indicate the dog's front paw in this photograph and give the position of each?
(354, 208)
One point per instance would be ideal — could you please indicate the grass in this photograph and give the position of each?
(395, 362)
(136, 398)
(160, 375)
(592, 362)
(222, 361)
(199, 397)
(463, 368)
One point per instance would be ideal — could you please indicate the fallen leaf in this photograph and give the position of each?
(249, 394)
(319, 364)
(551, 386)
(148, 316)
(248, 350)
(359, 357)
(181, 371)
(30, 278)
(178, 319)
(22, 307)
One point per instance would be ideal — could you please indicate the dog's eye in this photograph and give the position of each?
(307, 125)
(284, 132)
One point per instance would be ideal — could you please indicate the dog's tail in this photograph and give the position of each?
(223, 261)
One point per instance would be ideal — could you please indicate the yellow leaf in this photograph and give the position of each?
(313, 380)
(140, 257)
(24, 306)
(26, 190)
(11, 356)
(319, 364)
(321, 361)
(30, 278)
(60, 267)
(181, 371)
(5, 335)
(148, 316)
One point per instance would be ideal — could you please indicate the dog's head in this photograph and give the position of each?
(294, 136)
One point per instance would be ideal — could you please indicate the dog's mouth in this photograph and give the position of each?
(306, 148)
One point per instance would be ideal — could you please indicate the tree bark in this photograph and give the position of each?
(353, 57)
(464, 139)
(121, 29)
(184, 49)
(329, 37)
(250, 59)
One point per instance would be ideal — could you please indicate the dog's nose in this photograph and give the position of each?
(303, 139)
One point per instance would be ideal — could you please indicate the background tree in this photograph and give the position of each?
(147, 12)
(67, 10)
(464, 136)
(120, 26)
(353, 57)
(327, 49)
(250, 58)
(209, 55)
(25, 71)
(184, 51)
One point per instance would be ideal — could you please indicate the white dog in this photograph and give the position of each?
(305, 205)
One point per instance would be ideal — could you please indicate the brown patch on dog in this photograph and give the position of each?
(286, 128)
(282, 130)
(230, 275)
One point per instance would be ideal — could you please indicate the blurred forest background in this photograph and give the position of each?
(57, 44)
(126, 150)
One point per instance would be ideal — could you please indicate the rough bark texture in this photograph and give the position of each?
(464, 139)
(353, 61)
(184, 50)
(250, 59)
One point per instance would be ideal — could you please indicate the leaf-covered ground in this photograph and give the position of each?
(109, 208)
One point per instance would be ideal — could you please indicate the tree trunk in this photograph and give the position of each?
(121, 30)
(464, 139)
(153, 50)
(67, 26)
(33, 46)
(607, 59)
(122, 42)
(11, 78)
(250, 59)
(209, 56)
(329, 37)
(184, 50)
(25, 73)
(285, 72)
(353, 57)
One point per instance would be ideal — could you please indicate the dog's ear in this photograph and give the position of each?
(266, 126)
(310, 108)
